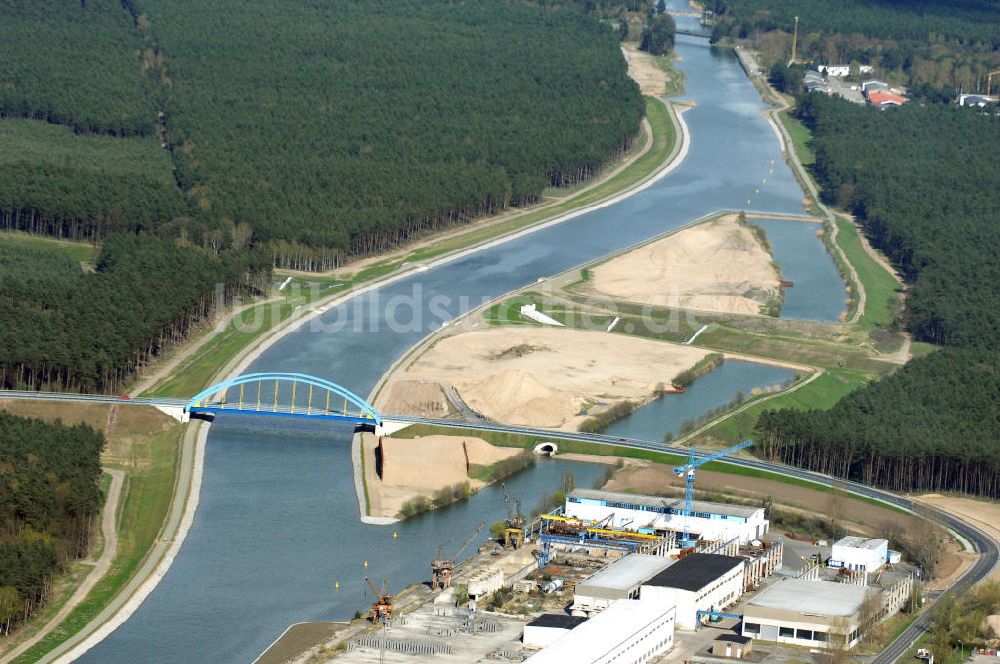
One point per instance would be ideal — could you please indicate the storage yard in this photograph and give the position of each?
(634, 581)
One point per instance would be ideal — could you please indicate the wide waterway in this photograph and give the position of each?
(277, 524)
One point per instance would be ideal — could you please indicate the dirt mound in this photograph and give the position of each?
(517, 397)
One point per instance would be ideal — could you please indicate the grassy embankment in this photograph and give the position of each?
(668, 63)
(144, 444)
(197, 371)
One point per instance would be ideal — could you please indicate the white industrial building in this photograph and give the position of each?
(619, 580)
(547, 628)
(697, 582)
(653, 514)
(859, 554)
(629, 631)
(806, 613)
(840, 71)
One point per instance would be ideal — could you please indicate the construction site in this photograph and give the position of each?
(605, 571)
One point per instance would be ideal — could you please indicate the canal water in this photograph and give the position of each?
(818, 292)
(277, 523)
(717, 388)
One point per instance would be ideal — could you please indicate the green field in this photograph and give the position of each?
(823, 392)
(149, 489)
(881, 288)
(81, 252)
(801, 138)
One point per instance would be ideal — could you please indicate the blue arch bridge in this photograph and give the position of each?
(284, 395)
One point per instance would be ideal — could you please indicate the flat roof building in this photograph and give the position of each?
(711, 521)
(806, 613)
(697, 582)
(546, 628)
(859, 553)
(732, 646)
(629, 631)
(619, 580)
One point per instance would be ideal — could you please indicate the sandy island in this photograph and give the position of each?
(542, 377)
(718, 266)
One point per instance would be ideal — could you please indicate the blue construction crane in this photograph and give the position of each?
(687, 470)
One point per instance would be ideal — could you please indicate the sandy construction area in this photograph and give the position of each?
(548, 377)
(414, 467)
(983, 514)
(415, 397)
(643, 69)
(715, 266)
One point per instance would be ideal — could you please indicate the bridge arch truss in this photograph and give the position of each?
(284, 395)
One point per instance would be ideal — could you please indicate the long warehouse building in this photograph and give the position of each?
(655, 514)
(630, 631)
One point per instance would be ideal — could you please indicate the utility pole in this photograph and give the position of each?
(795, 39)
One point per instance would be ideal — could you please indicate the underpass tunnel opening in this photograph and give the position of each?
(546, 449)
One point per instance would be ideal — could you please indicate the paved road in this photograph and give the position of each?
(91, 398)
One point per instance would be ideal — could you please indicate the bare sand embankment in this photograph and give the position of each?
(651, 78)
(547, 377)
(715, 266)
(413, 467)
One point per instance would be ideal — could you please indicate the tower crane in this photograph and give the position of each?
(381, 610)
(687, 471)
(442, 568)
(989, 80)
(513, 534)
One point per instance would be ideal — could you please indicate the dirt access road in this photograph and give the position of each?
(109, 532)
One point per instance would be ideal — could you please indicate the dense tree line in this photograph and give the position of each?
(327, 129)
(55, 182)
(923, 182)
(934, 46)
(658, 35)
(49, 500)
(69, 330)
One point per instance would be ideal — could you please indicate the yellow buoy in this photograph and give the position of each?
(337, 585)
(394, 534)
(366, 564)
